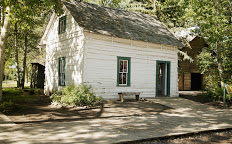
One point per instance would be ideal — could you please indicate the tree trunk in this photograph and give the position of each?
(17, 56)
(219, 60)
(154, 6)
(4, 34)
(218, 47)
(24, 62)
(4, 72)
(26, 71)
(2, 15)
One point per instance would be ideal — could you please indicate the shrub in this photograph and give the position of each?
(215, 94)
(229, 98)
(77, 95)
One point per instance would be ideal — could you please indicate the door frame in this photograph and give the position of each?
(168, 75)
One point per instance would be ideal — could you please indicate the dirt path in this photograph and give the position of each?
(41, 122)
(44, 111)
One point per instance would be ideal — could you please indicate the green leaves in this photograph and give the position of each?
(77, 95)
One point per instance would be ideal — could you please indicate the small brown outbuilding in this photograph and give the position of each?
(37, 75)
(189, 74)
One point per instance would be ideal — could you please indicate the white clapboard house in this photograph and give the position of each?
(111, 50)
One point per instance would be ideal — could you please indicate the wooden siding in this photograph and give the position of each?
(101, 65)
(92, 59)
(186, 68)
(70, 45)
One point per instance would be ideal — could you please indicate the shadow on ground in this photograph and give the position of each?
(116, 122)
(45, 112)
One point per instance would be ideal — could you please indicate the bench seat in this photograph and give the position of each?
(122, 94)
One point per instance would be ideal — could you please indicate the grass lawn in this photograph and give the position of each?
(12, 84)
(15, 100)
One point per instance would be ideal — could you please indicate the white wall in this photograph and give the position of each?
(100, 70)
(92, 59)
(70, 45)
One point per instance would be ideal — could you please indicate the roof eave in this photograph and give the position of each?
(43, 39)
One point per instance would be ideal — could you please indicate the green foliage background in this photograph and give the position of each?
(213, 18)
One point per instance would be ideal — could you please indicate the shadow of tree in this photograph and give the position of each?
(44, 112)
(121, 122)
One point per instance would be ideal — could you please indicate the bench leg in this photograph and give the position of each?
(137, 97)
(121, 97)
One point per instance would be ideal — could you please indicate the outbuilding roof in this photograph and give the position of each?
(120, 23)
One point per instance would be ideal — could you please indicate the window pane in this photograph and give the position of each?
(62, 25)
(121, 66)
(61, 80)
(60, 66)
(120, 78)
(125, 66)
(63, 65)
(124, 78)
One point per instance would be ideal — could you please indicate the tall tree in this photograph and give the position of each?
(8, 9)
(4, 34)
(214, 19)
(17, 54)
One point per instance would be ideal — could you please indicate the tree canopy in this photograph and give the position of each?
(21, 19)
(24, 12)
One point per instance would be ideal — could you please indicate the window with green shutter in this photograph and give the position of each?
(62, 24)
(123, 72)
(61, 71)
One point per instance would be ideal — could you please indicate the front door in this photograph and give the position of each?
(162, 78)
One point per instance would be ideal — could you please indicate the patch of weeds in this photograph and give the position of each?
(77, 95)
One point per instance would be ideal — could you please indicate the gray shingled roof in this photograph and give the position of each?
(119, 23)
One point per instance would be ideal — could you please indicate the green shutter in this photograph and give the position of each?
(129, 73)
(118, 59)
(59, 71)
(59, 75)
(64, 23)
(129, 67)
(169, 78)
(64, 68)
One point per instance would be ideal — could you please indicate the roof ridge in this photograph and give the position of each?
(102, 6)
(120, 23)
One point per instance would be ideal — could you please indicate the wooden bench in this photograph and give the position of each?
(136, 94)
